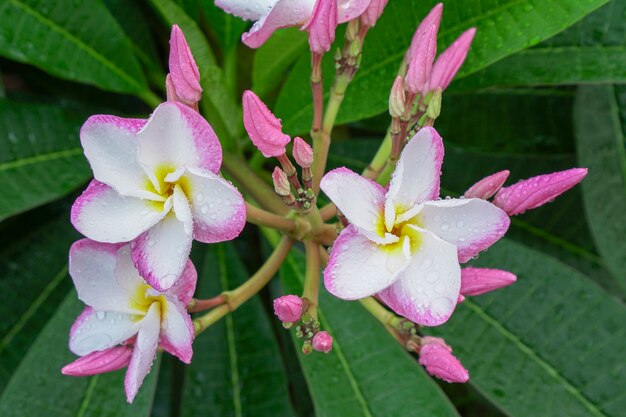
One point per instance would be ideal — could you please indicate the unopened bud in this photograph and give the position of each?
(302, 153)
(432, 18)
(477, 281)
(373, 12)
(488, 186)
(323, 342)
(434, 105)
(440, 362)
(281, 182)
(450, 61)
(288, 308)
(322, 26)
(264, 129)
(421, 61)
(100, 362)
(307, 348)
(184, 73)
(431, 340)
(397, 98)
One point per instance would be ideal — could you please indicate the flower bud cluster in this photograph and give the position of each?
(290, 309)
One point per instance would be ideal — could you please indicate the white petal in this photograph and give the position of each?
(101, 214)
(471, 224)
(416, 178)
(246, 9)
(93, 270)
(219, 211)
(182, 210)
(427, 290)
(98, 330)
(144, 351)
(284, 13)
(177, 331)
(358, 267)
(161, 253)
(359, 199)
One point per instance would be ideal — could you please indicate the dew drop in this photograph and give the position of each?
(101, 315)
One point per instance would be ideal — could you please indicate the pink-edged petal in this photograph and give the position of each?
(177, 331)
(182, 209)
(219, 211)
(416, 178)
(246, 9)
(360, 199)
(101, 214)
(100, 362)
(358, 267)
(350, 9)
(185, 287)
(93, 270)
(284, 13)
(160, 254)
(427, 290)
(177, 136)
(144, 351)
(111, 146)
(98, 330)
(471, 224)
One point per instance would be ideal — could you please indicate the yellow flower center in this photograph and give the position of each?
(142, 301)
(402, 230)
(165, 188)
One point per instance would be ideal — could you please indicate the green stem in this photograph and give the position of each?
(247, 290)
(376, 309)
(377, 165)
(261, 217)
(312, 277)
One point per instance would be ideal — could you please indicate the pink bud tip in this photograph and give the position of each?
(450, 61)
(488, 186)
(322, 342)
(281, 182)
(421, 61)
(433, 18)
(397, 98)
(107, 360)
(373, 12)
(288, 308)
(440, 362)
(477, 281)
(537, 191)
(429, 340)
(322, 26)
(460, 299)
(264, 129)
(302, 153)
(184, 73)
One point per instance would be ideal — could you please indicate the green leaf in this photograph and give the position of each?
(504, 27)
(236, 369)
(226, 28)
(367, 373)
(550, 344)
(40, 155)
(600, 125)
(38, 387)
(33, 282)
(273, 60)
(591, 51)
(77, 40)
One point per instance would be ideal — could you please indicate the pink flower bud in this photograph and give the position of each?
(450, 60)
(440, 362)
(431, 340)
(288, 308)
(421, 61)
(432, 18)
(281, 182)
(263, 127)
(488, 186)
(460, 299)
(322, 26)
(373, 12)
(477, 281)
(322, 342)
(100, 362)
(302, 153)
(537, 191)
(184, 74)
(397, 98)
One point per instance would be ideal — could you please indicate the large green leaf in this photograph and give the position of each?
(77, 40)
(600, 127)
(236, 369)
(367, 373)
(593, 50)
(40, 155)
(38, 388)
(551, 344)
(504, 27)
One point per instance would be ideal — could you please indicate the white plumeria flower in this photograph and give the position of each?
(405, 244)
(270, 15)
(121, 305)
(157, 185)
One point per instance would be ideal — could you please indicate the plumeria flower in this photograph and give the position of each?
(123, 308)
(404, 243)
(157, 186)
(270, 15)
